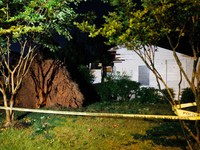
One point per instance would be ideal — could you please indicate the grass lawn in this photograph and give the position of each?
(34, 131)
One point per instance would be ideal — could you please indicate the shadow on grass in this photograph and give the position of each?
(168, 133)
(21, 115)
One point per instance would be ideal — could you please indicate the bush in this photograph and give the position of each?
(106, 90)
(187, 96)
(148, 95)
(117, 86)
(124, 86)
(86, 74)
(166, 95)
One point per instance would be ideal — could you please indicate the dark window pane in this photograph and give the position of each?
(143, 75)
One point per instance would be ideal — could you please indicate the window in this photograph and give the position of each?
(143, 75)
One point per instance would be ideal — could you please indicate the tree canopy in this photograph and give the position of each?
(128, 24)
(38, 19)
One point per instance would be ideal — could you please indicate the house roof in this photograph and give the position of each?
(114, 49)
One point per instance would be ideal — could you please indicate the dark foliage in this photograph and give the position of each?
(187, 95)
(148, 95)
(117, 87)
(166, 96)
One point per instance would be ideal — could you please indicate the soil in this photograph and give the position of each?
(22, 125)
(47, 84)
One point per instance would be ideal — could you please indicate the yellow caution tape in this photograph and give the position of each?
(179, 112)
(186, 105)
(182, 115)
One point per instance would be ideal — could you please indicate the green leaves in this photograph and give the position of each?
(49, 14)
(41, 18)
(119, 86)
(17, 31)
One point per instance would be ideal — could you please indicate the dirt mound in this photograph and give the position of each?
(47, 84)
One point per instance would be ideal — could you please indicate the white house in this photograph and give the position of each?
(129, 62)
(96, 71)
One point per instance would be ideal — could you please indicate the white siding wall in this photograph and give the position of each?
(97, 75)
(164, 63)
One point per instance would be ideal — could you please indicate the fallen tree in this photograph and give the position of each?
(48, 84)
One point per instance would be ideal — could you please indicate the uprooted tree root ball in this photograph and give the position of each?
(47, 84)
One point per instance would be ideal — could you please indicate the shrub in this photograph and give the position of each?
(105, 90)
(166, 95)
(124, 86)
(86, 74)
(187, 96)
(117, 86)
(148, 95)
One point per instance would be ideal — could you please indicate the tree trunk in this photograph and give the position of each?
(8, 116)
(197, 98)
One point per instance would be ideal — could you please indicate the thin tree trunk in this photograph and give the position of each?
(8, 119)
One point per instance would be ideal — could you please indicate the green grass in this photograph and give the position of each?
(56, 132)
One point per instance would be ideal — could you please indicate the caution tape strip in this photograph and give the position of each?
(105, 114)
(186, 105)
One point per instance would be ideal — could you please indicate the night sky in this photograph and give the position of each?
(97, 6)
